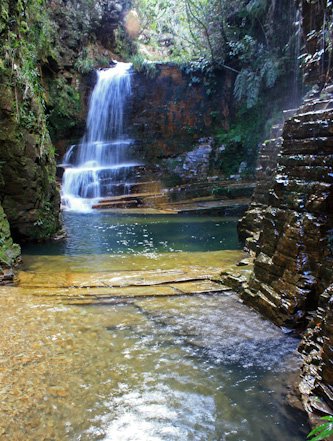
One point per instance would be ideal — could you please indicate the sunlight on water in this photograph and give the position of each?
(139, 368)
(147, 234)
(173, 369)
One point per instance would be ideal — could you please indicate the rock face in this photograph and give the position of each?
(288, 272)
(170, 113)
(317, 18)
(316, 384)
(9, 252)
(193, 165)
(250, 226)
(293, 269)
(28, 192)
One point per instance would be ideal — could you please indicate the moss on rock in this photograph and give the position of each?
(9, 252)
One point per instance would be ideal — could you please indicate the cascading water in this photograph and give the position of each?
(99, 164)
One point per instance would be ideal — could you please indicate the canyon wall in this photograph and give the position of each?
(292, 235)
(28, 192)
(293, 268)
(290, 268)
(170, 112)
(47, 48)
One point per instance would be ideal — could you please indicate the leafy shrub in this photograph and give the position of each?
(84, 64)
(241, 140)
(140, 64)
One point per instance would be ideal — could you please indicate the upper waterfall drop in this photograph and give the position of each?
(101, 159)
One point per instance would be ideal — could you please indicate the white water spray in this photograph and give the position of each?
(101, 159)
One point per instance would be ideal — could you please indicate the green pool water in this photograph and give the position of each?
(102, 233)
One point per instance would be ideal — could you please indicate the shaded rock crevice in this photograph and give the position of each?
(250, 225)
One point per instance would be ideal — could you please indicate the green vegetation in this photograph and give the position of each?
(27, 153)
(27, 34)
(323, 431)
(84, 63)
(237, 35)
(140, 64)
(240, 143)
(64, 104)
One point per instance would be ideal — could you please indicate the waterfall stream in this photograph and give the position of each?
(99, 164)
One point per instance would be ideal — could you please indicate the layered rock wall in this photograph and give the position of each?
(293, 269)
(316, 382)
(288, 272)
(292, 281)
(250, 225)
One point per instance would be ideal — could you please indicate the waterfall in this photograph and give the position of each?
(99, 164)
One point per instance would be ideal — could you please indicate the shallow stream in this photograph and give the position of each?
(201, 368)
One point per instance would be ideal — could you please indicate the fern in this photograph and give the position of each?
(240, 86)
(253, 88)
(269, 72)
(247, 87)
(323, 431)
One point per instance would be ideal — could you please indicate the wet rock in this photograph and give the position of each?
(233, 281)
(250, 225)
(244, 262)
(169, 116)
(9, 252)
(291, 234)
(193, 165)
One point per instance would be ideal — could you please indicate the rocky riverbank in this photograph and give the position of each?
(292, 277)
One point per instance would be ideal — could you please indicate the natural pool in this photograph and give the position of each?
(195, 368)
(105, 233)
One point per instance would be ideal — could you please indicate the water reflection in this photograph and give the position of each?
(164, 369)
(185, 368)
(183, 387)
(106, 233)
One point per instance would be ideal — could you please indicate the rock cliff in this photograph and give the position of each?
(47, 48)
(28, 190)
(292, 277)
(170, 113)
(288, 272)
(292, 280)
